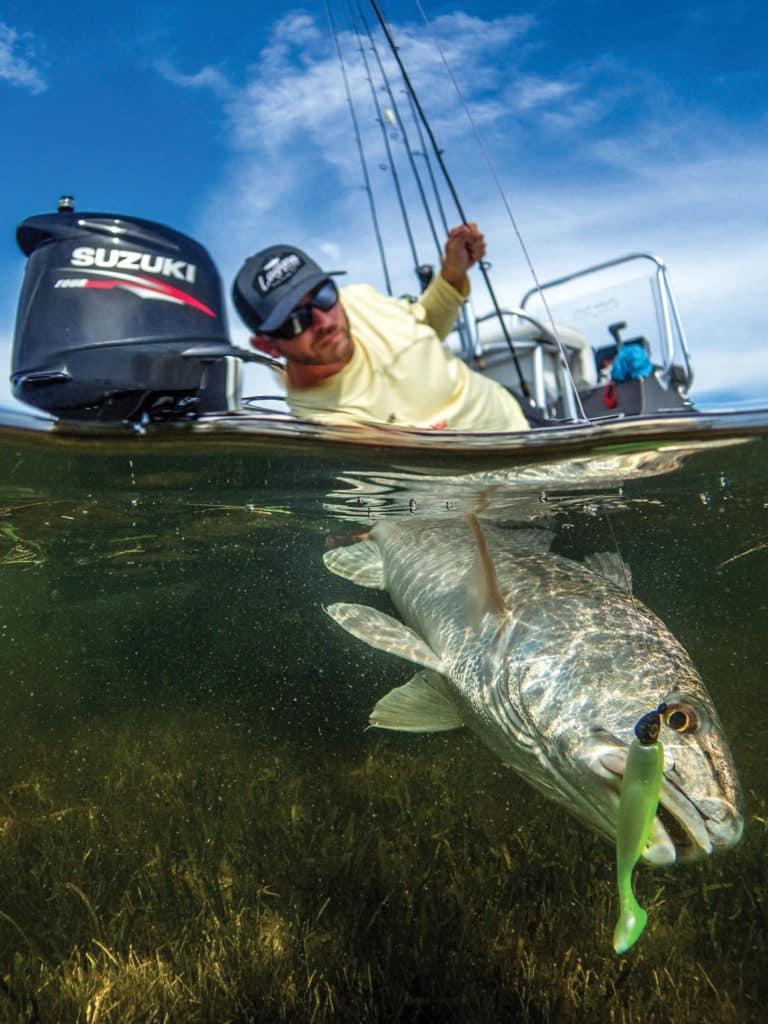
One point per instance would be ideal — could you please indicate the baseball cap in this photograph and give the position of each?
(271, 282)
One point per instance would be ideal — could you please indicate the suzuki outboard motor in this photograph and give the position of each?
(119, 318)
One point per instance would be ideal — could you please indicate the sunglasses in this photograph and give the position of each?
(324, 297)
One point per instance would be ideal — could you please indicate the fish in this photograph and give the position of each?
(550, 661)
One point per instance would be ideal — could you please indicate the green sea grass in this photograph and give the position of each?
(181, 870)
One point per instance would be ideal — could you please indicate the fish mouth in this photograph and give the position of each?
(680, 832)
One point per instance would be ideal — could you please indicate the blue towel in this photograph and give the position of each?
(631, 362)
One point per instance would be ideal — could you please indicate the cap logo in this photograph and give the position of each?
(277, 271)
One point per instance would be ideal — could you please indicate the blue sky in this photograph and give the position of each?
(609, 132)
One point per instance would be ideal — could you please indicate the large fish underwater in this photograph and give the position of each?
(551, 662)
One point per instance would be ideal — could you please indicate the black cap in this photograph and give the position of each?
(271, 283)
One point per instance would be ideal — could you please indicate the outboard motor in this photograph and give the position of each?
(119, 318)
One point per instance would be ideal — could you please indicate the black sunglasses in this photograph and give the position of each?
(324, 297)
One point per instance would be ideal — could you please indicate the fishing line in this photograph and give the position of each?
(436, 149)
(425, 153)
(360, 151)
(468, 326)
(403, 132)
(385, 137)
(507, 207)
(625, 574)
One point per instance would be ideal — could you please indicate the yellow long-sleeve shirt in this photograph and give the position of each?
(401, 374)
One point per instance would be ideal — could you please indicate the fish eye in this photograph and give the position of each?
(681, 718)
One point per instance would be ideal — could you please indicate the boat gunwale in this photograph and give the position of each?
(241, 430)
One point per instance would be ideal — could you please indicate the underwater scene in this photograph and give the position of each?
(254, 767)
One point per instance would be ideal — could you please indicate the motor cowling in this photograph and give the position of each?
(118, 317)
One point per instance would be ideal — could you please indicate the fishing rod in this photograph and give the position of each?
(467, 320)
(403, 133)
(430, 171)
(385, 136)
(438, 154)
(360, 151)
(467, 324)
(561, 348)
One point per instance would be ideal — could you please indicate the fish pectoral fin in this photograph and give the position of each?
(361, 563)
(613, 567)
(483, 592)
(385, 633)
(424, 704)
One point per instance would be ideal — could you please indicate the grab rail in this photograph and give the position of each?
(670, 322)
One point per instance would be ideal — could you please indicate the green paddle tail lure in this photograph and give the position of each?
(639, 799)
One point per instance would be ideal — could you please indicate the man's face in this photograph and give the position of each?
(326, 342)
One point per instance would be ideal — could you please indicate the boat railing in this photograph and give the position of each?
(673, 344)
(538, 350)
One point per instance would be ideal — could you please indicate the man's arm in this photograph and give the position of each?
(449, 289)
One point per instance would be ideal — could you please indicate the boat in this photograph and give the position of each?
(123, 320)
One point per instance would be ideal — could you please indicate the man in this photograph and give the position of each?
(357, 356)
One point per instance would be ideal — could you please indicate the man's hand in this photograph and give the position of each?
(464, 247)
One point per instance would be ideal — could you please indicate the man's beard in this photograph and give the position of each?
(322, 354)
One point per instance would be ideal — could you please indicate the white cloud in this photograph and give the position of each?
(290, 127)
(296, 85)
(16, 65)
(206, 78)
(295, 32)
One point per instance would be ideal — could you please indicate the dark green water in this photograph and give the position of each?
(194, 823)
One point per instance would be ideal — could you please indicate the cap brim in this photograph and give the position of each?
(291, 299)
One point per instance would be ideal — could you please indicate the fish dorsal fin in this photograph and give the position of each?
(385, 633)
(613, 567)
(424, 704)
(361, 563)
(484, 595)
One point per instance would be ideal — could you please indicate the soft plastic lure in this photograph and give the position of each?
(638, 801)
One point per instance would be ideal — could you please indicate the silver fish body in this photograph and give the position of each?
(550, 662)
